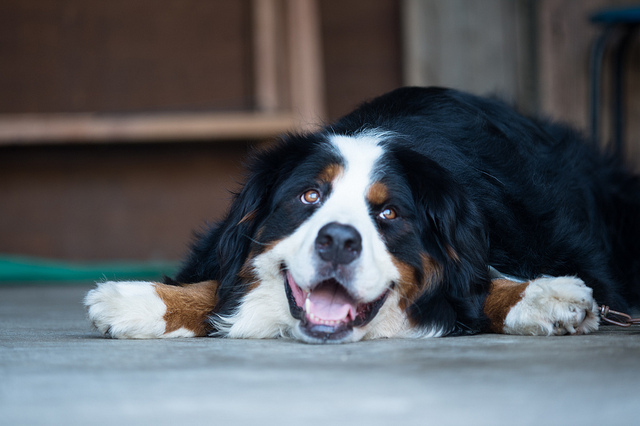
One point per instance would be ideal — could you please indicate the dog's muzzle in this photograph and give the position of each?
(328, 310)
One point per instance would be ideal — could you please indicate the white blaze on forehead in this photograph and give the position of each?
(347, 202)
(359, 152)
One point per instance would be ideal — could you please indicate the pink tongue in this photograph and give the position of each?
(330, 301)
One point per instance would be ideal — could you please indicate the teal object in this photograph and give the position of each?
(20, 269)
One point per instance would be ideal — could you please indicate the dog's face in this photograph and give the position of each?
(338, 253)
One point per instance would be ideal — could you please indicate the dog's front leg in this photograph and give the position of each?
(149, 310)
(544, 306)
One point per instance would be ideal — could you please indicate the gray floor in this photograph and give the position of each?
(55, 370)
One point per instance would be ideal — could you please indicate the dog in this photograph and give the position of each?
(407, 218)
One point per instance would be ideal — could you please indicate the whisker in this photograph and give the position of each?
(490, 175)
(253, 240)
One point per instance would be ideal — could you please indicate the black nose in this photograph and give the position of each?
(338, 243)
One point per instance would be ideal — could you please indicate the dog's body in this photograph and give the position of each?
(388, 224)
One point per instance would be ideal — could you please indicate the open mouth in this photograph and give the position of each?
(328, 311)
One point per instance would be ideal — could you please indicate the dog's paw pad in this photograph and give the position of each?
(554, 306)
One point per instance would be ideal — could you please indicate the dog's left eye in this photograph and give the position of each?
(310, 197)
(388, 214)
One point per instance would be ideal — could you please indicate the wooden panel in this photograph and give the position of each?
(362, 51)
(141, 201)
(632, 104)
(481, 47)
(122, 55)
(113, 202)
(268, 54)
(94, 128)
(305, 50)
(565, 39)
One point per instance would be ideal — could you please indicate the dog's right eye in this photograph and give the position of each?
(310, 197)
(388, 214)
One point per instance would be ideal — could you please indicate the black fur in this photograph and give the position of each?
(257, 216)
(477, 183)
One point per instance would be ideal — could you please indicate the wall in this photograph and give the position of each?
(484, 47)
(143, 200)
(565, 37)
(533, 53)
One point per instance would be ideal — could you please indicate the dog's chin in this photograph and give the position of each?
(327, 313)
(319, 335)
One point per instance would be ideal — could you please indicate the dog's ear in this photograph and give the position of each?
(453, 234)
(220, 252)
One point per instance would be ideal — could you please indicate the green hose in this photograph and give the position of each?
(21, 269)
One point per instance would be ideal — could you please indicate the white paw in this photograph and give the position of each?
(127, 310)
(554, 306)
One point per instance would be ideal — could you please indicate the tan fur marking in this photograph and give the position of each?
(247, 272)
(258, 235)
(503, 295)
(188, 305)
(248, 217)
(378, 194)
(331, 173)
(409, 286)
(453, 254)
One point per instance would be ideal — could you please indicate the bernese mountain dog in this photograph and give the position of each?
(425, 212)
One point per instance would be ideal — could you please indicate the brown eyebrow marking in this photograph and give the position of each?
(331, 172)
(378, 193)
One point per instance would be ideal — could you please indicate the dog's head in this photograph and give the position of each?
(337, 238)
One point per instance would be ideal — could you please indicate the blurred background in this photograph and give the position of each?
(124, 124)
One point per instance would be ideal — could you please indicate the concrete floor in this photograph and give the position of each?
(54, 370)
